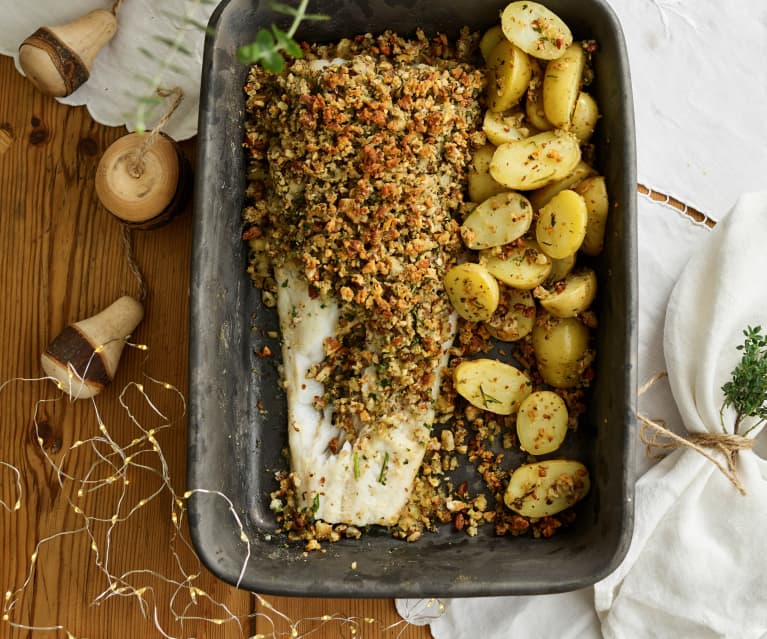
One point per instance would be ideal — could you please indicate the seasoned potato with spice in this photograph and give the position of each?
(541, 197)
(561, 349)
(472, 291)
(500, 219)
(482, 185)
(542, 422)
(585, 117)
(491, 385)
(571, 296)
(536, 29)
(594, 193)
(501, 128)
(534, 99)
(523, 266)
(562, 84)
(489, 40)
(535, 161)
(508, 75)
(546, 488)
(561, 224)
(560, 269)
(515, 316)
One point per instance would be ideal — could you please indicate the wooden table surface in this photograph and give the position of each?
(62, 261)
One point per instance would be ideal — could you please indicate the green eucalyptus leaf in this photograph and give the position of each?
(286, 43)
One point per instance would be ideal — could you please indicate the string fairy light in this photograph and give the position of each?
(110, 464)
(17, 473)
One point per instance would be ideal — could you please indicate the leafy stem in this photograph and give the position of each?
(746, 392)
(270, 45)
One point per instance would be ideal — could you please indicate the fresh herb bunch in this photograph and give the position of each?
(746, 392)
(270, 45)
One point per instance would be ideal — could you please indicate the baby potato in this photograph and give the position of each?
(541, 197)
(523, 267)
(594, 192)
(585, 117)
(534, 99)
(573, 295)
(472, 291)
(536, 29)
(542, 422)
(515, 316)
(535, 161)
(500, 128)
(500, 219)
(546, 488)
(489, 39)
(561, 224)
(560, 268)
(482, 185)
(508, 74)
(561, 85)
(561, 349)
(491, 385)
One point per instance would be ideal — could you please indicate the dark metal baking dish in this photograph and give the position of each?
(234, 446)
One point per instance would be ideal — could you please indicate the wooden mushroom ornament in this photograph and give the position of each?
(143, 179)
(83, 358)
(58, 59)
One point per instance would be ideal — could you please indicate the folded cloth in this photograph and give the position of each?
(697, 566)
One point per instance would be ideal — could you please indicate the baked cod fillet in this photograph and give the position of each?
(356, 175)
(367, 480)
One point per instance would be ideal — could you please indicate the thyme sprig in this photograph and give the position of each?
(269, 47)
(746, 392)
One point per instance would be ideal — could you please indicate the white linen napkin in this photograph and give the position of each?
(697, 565)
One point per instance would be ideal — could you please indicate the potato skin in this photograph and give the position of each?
(536, 29)
(499, 220)
(472, 291)
(491, 385)
(515, 316)
(524, 266)
(508, 76)
(542, 422)
(546, 488)
(561, 224)
(571, 296)
(593, 190)
(482, 185)
(561, 85)
(536, 161)
(561, 349)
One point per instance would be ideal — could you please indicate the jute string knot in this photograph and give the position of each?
(136, 165)
(656, 436)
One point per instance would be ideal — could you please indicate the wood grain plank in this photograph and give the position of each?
(336, 618)
(61, 260)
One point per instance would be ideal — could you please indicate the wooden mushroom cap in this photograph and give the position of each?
(58, 59)
(152, 197)
(83, 358)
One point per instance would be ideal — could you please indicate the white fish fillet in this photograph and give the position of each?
(356, 175)
(367, 481)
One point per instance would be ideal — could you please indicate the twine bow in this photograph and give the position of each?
(655, 435)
